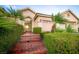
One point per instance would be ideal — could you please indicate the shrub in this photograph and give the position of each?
(9, 34)
(58, 43)
(59, 30)
(59, 18)
(69, 29)
(37, 30)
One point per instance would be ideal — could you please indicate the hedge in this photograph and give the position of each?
(9, 34)
(61, 43)
(37, 30)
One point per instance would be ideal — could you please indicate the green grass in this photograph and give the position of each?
(9, 34)
(61, 43)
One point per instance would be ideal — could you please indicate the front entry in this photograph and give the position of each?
(28, 26)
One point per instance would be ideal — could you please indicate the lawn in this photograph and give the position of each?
(9, 33)
(61, 42)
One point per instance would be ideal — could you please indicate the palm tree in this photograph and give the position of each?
(10, 12)
(14, 13)
(3, 12)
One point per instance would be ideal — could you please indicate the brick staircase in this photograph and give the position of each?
(29, 44)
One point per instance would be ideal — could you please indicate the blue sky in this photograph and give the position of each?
(49, 9)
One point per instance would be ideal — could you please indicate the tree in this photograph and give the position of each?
(59, 18)
(14, 13)
(10, 12)
(53, 18)
(3, 12)
(6, 17)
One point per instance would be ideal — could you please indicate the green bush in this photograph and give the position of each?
(9, 34)
(69, 29)
(59, 18)
(37, 30)
(59, 30)
(61, 43)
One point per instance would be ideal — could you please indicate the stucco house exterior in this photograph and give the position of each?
(71, 19)
(33, 19)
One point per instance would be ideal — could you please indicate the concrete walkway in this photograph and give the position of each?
(29, 44)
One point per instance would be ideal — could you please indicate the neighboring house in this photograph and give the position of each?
(33, 19)
(71, 19)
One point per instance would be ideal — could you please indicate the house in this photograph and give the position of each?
(33, 19)
(71, 19)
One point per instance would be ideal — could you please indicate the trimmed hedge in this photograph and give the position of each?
(9, 34)
(61, 43)
(37, 30)
(59, 30)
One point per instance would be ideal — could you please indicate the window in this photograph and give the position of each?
(47, 21)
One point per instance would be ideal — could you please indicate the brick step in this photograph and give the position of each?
(25, 41)
(38, 50)
(29, 43)
(32, 36)
(28, 34)
(30, 39)
(27, 47)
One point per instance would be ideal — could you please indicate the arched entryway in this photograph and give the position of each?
(28, 24)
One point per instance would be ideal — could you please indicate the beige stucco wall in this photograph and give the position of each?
(75, 27)
(39, 18)
(69, 17)
(61, 26)
(46, 23)
(46, 26)
(64, 26)
(28, 13)
(20, 22)
(42, 22)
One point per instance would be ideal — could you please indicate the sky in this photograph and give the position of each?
(49, 9)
